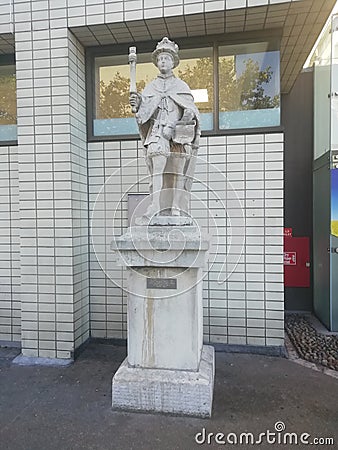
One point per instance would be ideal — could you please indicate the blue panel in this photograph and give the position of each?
(207, 121)
(8, 133)
(255, 118)
(116, 127)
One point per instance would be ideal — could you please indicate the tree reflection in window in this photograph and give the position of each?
(247, 93)
(114, 94)
(114, 97)
(249, 87)
(247, 90)
(7, 95)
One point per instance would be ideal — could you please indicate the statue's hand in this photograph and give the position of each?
(135, 101)
(168, 132)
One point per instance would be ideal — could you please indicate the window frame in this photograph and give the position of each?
(8, 59)
(273, 37)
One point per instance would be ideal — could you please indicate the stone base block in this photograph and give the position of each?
(171, 221)
(166, 391)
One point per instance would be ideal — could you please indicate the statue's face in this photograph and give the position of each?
(165, 63)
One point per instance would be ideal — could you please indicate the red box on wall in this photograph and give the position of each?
(296, 261)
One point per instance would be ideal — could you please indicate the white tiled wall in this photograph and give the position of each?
(299, 21)
(47, 265)
(10, 308)
(52, 167)
(241, 183)
(79, 206)
(109, 11)
(6, 16)
(115, 11)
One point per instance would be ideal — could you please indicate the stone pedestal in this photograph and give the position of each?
(166, 391)
(167, 368)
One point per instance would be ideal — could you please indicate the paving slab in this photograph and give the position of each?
(70, 407)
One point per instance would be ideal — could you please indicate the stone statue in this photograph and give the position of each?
(169, 127)
(168, 369)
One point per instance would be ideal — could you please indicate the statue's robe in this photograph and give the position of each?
(163, 103)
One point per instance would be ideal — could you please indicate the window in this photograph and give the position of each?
(234, 86)
(196, 68)
(113, 114)
(8, 129)
(249, 86)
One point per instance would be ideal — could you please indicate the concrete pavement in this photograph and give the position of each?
(70, 407)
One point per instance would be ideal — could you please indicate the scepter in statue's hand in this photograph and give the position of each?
(133, 99)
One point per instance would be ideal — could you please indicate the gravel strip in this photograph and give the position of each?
(310, 345)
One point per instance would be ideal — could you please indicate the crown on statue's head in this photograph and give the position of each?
(166, 46)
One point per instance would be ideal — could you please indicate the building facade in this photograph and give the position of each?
(71, 160)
